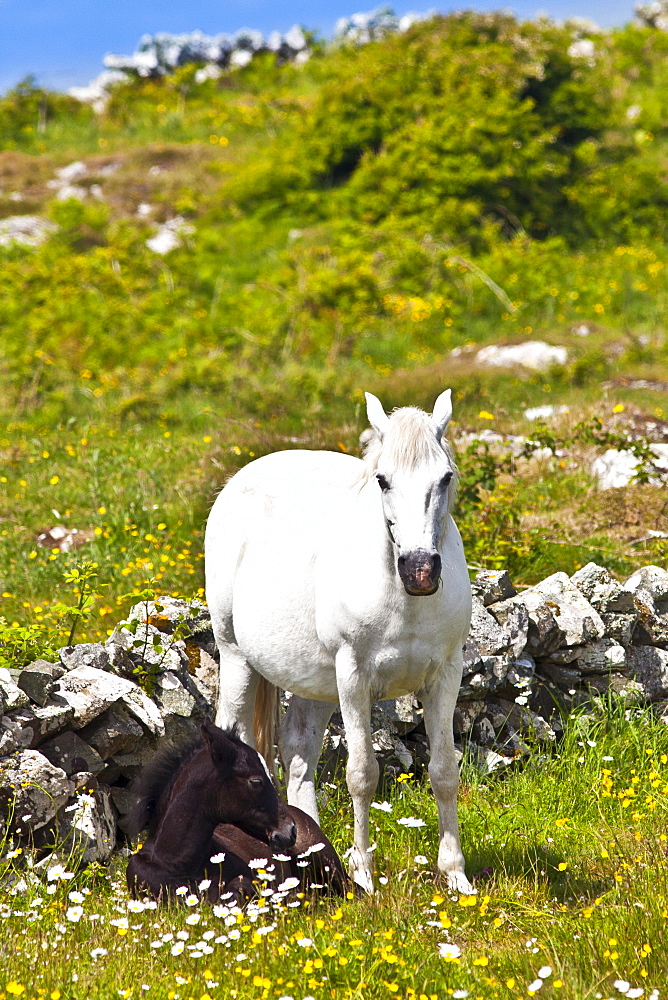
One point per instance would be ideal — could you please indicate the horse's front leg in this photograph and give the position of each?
(362, 771)
(439, 705)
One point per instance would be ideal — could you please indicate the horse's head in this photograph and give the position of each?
(242, 791)
(416, 477)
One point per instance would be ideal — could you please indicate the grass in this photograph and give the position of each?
(568, 855)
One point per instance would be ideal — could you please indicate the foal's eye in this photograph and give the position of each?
(256, 784)
(382, 482)
(445, 481)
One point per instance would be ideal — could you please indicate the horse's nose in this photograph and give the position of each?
(285, 836)
(420, 572)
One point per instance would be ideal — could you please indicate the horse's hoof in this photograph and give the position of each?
(458, 883)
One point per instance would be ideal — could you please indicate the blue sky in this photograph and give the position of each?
(63, 41)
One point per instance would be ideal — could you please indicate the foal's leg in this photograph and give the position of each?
(362, 771)
(302, 730)
(439, 704)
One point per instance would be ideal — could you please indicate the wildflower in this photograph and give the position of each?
(192, 900)
(544, 972)
(305, 942)
(177, 949)
(460, 994)
(420, 859)
(76, 897)
(290, 883)
(636, 992)
(13, 987)
(383, 806)
(450, 952)
(98, 953)
(204, 884)
(182, 890)
(74, 913)
(621, 985)
(485, 415)
(193, 918)
(218, 859)
(411, 822)
(56, 872)
(534, 986)
(280, 857)
(258, 863)
(135, 906)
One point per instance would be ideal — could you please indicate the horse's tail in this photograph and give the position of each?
(265, 721)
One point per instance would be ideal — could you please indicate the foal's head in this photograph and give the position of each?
(242, 791)
(416, 476)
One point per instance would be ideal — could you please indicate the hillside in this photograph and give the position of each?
(221, 265)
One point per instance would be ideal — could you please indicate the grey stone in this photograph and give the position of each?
(620, 627)
(123, 798)
(602, 657)
(144, 710)
(486, 760)
(603, 592)
(522, 719)
(492, 585)
(466, 712)
(544, 633)
(89, 826)
(115, 731)
(649, 666)
(630, 691)
(90, 691)
(31, 725)
(206, 676)
(402, 713)
(486, 632)
(32, 790)
(653, 579)
(521, 673)
(580, 622)
(563, 677)
(69, 751)
(483, 732)
(472, 657)
(564, 655)
(86, 654)
(10, 693)
(514, 618)
(477, 683)
(172, 697)
(38, 679)
(651, 630)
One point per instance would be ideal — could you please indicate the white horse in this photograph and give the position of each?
(344, 581)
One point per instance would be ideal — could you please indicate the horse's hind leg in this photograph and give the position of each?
(439, 704)
(237, 690)
(302, 730)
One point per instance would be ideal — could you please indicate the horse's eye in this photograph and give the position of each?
(256, 784)
(382, 482)
(445, 481)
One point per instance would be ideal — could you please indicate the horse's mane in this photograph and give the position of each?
(408, 443)
(156, 779)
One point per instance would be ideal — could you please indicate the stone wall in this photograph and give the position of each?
(74, 734)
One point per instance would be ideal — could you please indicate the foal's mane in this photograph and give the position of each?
(157, 778)
(409, 442)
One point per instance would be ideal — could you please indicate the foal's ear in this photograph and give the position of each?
(442, 412)
(378, 418)
(221, 748)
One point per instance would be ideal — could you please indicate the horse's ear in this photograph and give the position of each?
(378, 418)
(222, 749)
(442, 412)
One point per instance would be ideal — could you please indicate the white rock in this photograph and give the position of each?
(534, 354)
(615, 468)
(37, 788)
(90, 691)
(651, 578)
(90, 827)
(572, 611)
(545, 412)
(28, 230)
(170, 235)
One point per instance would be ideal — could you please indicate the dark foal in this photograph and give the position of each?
(215, 798)
(311, 862)
(183, 796)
